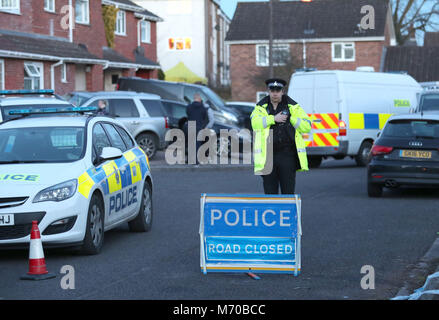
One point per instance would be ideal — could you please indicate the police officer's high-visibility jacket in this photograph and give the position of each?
(261, 123)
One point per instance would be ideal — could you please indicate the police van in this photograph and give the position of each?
(78, 175)
(349, 108)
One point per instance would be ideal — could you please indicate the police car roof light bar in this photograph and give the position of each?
(52, 110)
(24, 92)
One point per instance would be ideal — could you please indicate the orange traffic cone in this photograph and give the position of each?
(37, 263)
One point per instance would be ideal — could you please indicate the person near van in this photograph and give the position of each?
(102, 108)
(279, 120)
(196, 112)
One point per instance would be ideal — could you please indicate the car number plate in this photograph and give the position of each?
(6, 220)
(415, 154)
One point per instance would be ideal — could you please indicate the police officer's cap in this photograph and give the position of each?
(275, 83)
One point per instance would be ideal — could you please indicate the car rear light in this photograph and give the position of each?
(378, 150)
(166, 123)
(117, 86)
(342, 128)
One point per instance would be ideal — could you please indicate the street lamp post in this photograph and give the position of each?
(270, 40)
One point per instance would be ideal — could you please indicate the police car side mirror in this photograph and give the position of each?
(110, 153)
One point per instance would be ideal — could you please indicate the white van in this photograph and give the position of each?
(349, 108)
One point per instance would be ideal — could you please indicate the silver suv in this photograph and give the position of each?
(140, 113)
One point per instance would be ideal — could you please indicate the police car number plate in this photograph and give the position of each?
(415, 154)
(6, 220)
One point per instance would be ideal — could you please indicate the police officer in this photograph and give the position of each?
(278, 123)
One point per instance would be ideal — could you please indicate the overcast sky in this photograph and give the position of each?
(229, 6)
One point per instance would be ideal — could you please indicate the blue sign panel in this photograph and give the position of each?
(250, 233)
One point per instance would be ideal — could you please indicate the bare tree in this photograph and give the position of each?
(282, 70)
(414, 15)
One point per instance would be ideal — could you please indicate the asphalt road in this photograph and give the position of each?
(343, 230)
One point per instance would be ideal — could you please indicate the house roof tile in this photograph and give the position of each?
(298, 20)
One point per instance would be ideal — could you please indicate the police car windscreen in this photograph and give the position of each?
(412, 128)
(6, 116)
(430, 102)
(41, 144)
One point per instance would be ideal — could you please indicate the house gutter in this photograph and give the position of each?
(52, 73)
(34, 56)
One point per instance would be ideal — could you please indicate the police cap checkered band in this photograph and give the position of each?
(279, 83)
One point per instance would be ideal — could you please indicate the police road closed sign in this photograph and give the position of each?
(250, 233)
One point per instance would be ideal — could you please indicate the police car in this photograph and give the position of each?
(77, 175)
(29, 99)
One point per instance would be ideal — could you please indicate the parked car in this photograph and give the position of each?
(76, 176)
(244, 109)
(429, 101)
(176, 113)
(28, 99)
(406, 153)
(140, 113)
(184, 93)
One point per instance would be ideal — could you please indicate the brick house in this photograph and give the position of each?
(39, 48)
(191, 44)
(323, 34)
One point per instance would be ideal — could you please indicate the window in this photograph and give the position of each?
(49, 5)
(175, 110)
(281, 55)
(153, 107)
(64, 73)
(121, 23)
(116, 139)
(34, 76)
(42, 144)
(343, 52)
(423, 129)
(12, 6)
(100, 140)
(126, 137)
(124, 108)
(260, 95)
(145, 31)
(82, 11)
(2, 75)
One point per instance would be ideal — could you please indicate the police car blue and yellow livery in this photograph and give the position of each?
(77, 175)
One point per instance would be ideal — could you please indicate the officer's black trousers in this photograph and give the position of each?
(283, 173)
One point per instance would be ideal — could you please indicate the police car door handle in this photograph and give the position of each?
(135, 122)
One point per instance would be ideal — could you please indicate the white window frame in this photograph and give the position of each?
(260, 95)
(63, 71)
(31, 74)
(145, 31)
(82, 6)
(121, 23)
(259, 62)
(344, 46)
(265, 63)
(10, 6)
(49, 5)
(2, 74)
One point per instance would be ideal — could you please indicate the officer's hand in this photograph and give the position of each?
(281, 118)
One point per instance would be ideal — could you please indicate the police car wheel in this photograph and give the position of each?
(148, 143)
(143, 221)
(94, 233)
